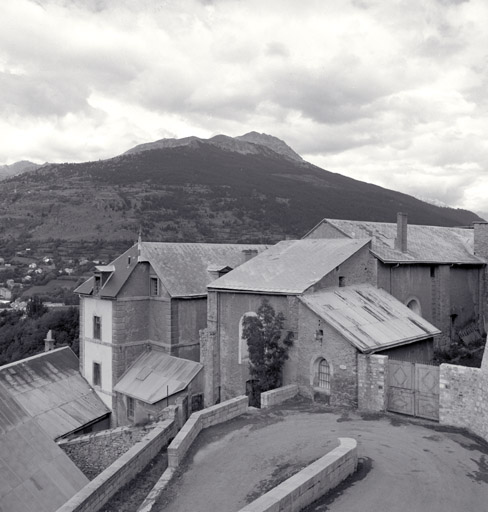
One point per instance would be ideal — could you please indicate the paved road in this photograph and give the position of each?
(406, 466)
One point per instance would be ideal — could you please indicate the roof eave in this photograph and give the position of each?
(399, 343)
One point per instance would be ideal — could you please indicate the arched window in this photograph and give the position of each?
(414, 305)
(243, 348)
(324, 375)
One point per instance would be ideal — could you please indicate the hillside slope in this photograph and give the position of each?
(248, 189)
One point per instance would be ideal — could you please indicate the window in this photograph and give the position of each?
(154, 286)
(324, 375)
(130, 408)
(97, 374)
(414, 305)
(97, 327)
(342, 281)
(96, 287)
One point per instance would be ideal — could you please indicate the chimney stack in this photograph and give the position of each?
(249, 254)
(49, 341)
(402, 227)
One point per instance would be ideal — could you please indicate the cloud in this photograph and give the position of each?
(388, 92)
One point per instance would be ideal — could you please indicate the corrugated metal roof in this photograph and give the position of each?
(426, 244)
(182, 267)
(291, 266)
(51, 389)
(35, 474)
(368, 317)
(156, 375)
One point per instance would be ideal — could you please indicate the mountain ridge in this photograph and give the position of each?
(223, 189)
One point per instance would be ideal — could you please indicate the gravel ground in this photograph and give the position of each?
(406, 465)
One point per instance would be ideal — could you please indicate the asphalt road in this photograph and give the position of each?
(405, 466)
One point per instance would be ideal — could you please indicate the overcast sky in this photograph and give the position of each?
(389, 92)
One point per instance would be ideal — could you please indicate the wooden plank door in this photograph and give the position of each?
(427, 391)
(401, 384)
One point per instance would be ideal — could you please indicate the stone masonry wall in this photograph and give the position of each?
(463, 400)
(99, 491)
(93, 453)
(372, 382)
(278, 395)
(311, 483)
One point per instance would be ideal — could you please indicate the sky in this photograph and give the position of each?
(390, 92)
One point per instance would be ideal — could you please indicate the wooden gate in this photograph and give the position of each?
(413, 388)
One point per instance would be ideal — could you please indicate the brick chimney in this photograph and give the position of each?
(49, 341)
(402, 228)
(249, 254)
(481, 239)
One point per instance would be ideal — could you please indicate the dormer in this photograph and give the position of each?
(101, 276)
(216, 271)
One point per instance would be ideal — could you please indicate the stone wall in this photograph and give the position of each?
(99, 491)
(276, 396)
(335, 349)
(200, 420)
(372, 382)
(93, 453)
(311, 483)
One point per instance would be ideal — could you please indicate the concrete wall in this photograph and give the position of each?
(311, 483)
(277, 396)
(200, 420)
(372, 382)
(94, 495)
(335, 349)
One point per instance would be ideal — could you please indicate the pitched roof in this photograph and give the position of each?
(368, 317)
(156, 375)
(36, 475)
(51, 389)
(182, 267)
(426, 244)
(291, 266)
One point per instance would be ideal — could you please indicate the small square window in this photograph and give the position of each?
(97, 327)
(154, 286)
(97, 374)
(342, 281)
(130, 408)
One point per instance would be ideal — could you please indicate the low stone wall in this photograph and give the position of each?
(97, 492)
(93, 453)
(276, 396)
(311, 483)
(200, 420)
(372, 382)
(185, 437)
(463, 401)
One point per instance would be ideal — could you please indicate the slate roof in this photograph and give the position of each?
(181, 267)
(156, 375)
(368, 317)
(426, 244)
(290, 267)
(35, 474)
(51, 389)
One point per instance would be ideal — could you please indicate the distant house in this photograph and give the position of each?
(151, 298)
(439, 272)
(32, 265)
(325, 290)
(5, 293)
(51, 389)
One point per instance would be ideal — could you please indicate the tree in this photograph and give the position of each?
(268, 349)
(35, 307)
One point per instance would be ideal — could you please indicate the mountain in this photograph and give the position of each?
(252, 188)
(17, 168)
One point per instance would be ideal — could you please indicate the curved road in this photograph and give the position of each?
(406, 465)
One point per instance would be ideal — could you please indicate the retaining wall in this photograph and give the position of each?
(200, 420)
(93, 453)
(311, 483)
(276, 396)
(97, 492)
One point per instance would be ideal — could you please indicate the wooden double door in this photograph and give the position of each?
(413, 388)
